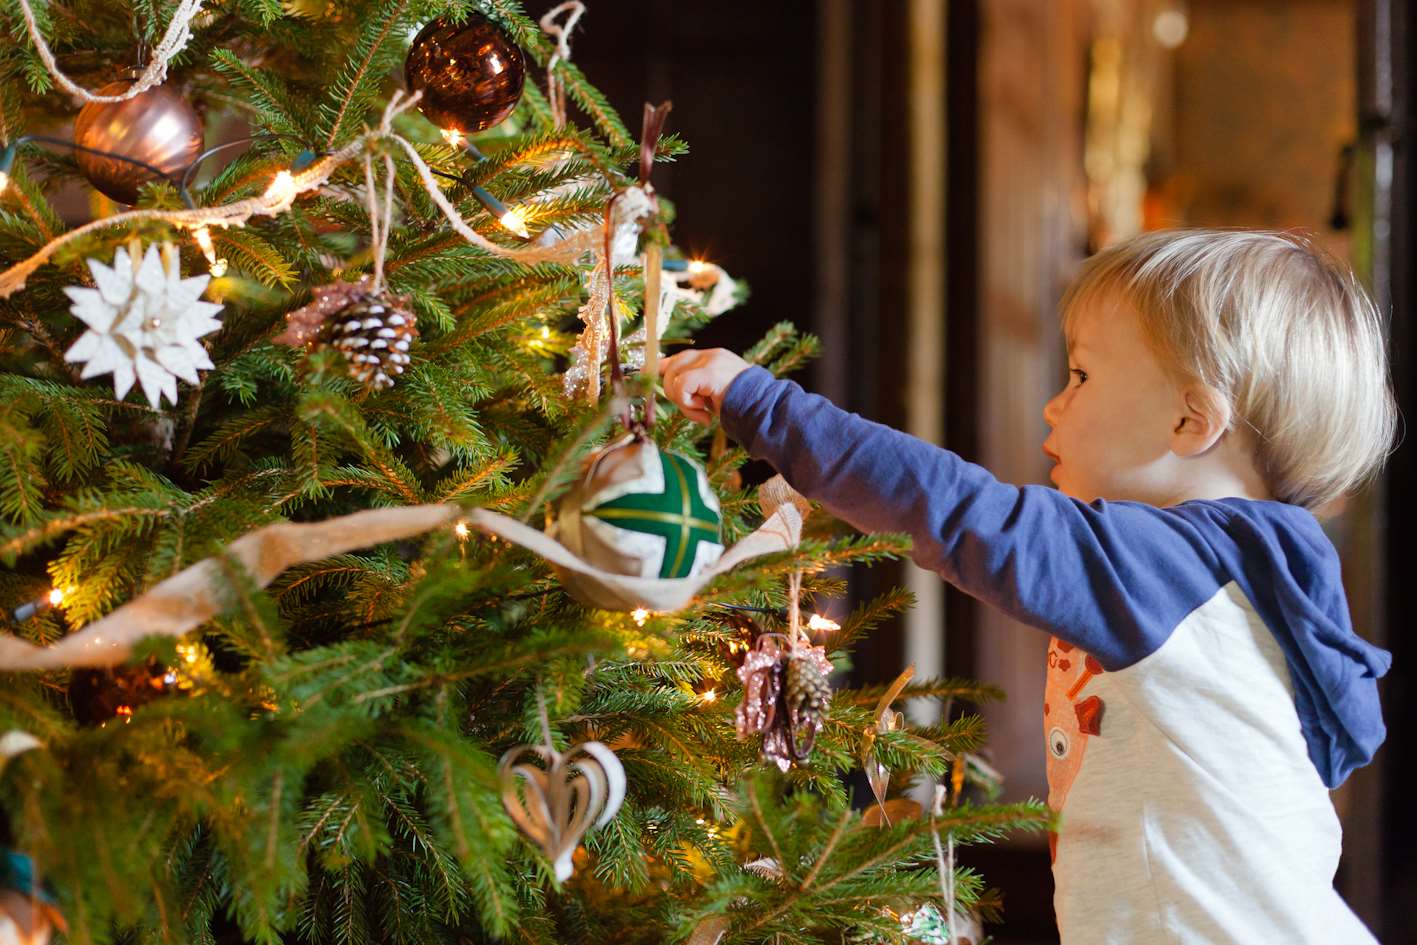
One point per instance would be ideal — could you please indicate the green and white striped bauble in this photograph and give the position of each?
(642, 511)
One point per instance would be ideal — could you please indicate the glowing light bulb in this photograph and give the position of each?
(640, 615)
(4, 182)
(818, 622)
(709, 696)
(56, 597)
(453, 137)
(514, 221)
(203, 236)
(460, 529)
(282, 189)
(545, 333)
(697, 266)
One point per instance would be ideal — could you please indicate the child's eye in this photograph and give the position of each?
(1082, 375)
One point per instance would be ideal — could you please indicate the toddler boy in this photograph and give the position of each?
(1205, 687)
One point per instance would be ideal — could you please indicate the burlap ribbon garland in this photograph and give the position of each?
(187, 599)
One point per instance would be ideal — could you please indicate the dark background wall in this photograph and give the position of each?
(742, 79)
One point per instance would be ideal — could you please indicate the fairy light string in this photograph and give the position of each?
(301, 178)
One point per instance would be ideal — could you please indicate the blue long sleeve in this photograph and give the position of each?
(1050, 561)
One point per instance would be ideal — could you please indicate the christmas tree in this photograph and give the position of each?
(286, 658)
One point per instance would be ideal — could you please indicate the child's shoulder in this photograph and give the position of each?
(1276, 525)
(1265, 527)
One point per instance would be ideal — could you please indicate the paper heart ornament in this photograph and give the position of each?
(557, 801)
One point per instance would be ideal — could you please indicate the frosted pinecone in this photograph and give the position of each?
(807, 689)
(374, 332)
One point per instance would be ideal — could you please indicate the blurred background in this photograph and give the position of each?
(916, 181)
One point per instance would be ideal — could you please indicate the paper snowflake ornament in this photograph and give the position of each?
(144, 320)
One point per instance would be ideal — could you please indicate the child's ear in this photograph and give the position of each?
(1203, 419)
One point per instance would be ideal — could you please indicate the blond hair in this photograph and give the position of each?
(1277, 328)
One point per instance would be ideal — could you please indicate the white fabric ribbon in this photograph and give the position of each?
(781, 530)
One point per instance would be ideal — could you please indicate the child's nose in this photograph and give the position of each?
(1052, 409)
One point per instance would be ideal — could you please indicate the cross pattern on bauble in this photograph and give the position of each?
(679, 515)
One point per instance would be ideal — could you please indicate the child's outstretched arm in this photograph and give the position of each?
(1072, 569)
(1114, 578)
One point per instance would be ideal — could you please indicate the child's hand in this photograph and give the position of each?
(695, 381)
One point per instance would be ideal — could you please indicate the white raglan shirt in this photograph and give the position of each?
(1189, 808)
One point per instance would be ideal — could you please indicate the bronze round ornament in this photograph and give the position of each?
(157, 127)
(470, 73)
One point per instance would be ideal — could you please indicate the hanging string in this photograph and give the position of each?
(653, 259)
(794, 609)
(545, 722)
(555, 88)
(652, 124)
(944, 861)
(179, 33)
(380, 222)
(371, 200)
(617, 372)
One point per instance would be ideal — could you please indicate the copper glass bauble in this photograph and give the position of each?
(470, 74)
(157, 127)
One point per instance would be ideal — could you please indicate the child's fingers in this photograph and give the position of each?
(695, 388)
(691, 391)
(674, 374)
(669, 372)
(691, 384)
(701, 417)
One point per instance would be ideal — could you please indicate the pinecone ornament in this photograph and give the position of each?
(785, 696)
(374, 329)
(807, 687)
(807, 694)
(375, 333)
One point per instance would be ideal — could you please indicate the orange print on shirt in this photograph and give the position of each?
(1068, 721)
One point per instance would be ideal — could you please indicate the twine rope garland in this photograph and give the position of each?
(178, 35)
